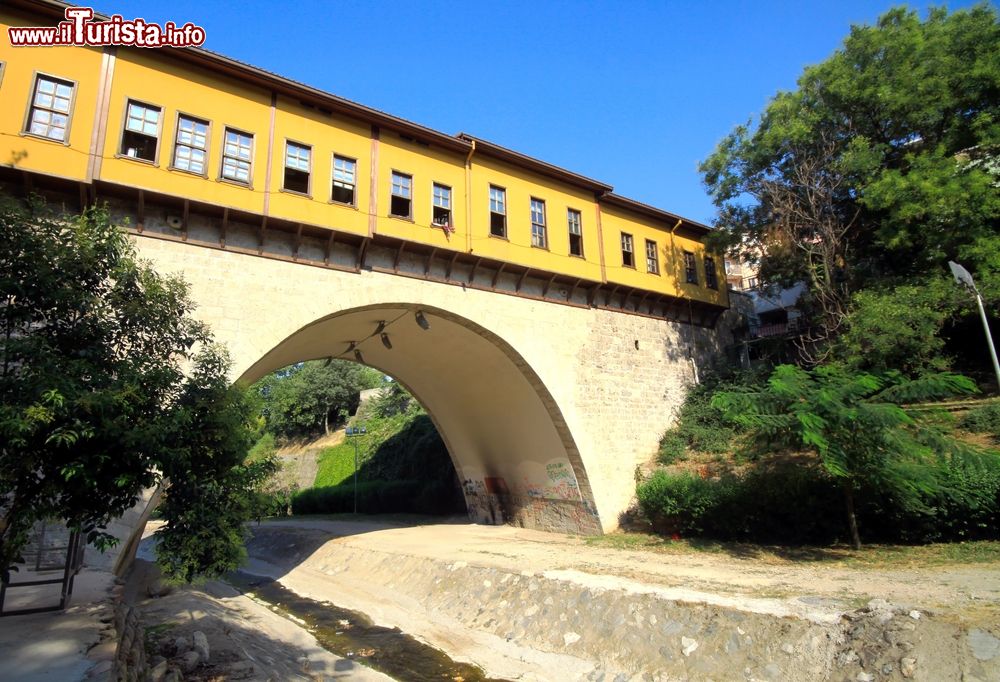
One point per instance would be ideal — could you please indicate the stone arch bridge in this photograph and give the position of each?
(546, 408)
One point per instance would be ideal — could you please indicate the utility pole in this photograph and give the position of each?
(963, 277)
(355, 432)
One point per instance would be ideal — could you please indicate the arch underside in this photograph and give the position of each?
(511, 447)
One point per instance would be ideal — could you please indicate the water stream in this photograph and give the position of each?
(352, 635)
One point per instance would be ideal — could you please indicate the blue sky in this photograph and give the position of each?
(634, 94)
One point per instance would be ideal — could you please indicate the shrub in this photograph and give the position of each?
(262, 449)
(985, 419)
(377, 497)
(678, 503)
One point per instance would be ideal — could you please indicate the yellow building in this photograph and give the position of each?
(209, 136)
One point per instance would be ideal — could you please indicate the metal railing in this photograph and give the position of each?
(52, 549)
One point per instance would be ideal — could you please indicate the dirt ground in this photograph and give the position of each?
(966, 593)
(304, 555)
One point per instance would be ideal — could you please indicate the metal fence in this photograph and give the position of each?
(53, 556)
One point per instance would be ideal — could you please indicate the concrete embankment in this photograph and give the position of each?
(554, 611)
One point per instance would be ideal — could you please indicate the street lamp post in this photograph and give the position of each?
(355, 432)
(963, 277)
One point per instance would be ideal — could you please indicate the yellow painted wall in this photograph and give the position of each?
(521, 186)
(670, 280)
(426, 165)
(79, 64)
(154, 77)
(148, 77)
(326, 135)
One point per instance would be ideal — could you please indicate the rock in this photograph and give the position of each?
(201, 645)
(240, 670)
(907, 667)
(181, 646)
(100, 670)
(985, 647)
(865, 677)
(158, 671)
(103, 652)
(788, 648)
(571, 638)
(172, 676)
(887, 669)
(915, 615)
(688, 645)
(189, 661)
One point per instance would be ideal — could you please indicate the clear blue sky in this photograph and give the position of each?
(634, 94)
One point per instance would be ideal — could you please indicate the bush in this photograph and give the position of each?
(797, 505)
(378, 497)
(701, 427)
(264, 448)
(985, 419)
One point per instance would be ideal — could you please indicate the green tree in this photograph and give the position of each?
(882, 163)
(306, 399)
(93, 347)
(858, 426)
(212, 489)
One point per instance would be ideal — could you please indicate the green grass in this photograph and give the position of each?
(335, 465)
(870, 556)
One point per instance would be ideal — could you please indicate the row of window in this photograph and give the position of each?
(49, 117)
(653, 262)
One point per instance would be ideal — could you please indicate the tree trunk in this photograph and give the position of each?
(326, 423)
(852, 520)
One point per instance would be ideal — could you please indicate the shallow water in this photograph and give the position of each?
(353, 635)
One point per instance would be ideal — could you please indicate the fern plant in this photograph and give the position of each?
(859, 426)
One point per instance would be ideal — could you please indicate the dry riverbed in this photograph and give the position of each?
(536, 606)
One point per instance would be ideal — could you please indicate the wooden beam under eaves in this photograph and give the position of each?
(475, 266)
(328, 249)
(225, 227)
(548, 285)
(399, 254)
(261, 231)
(496, 275)
(520, 282)
(186, 211)
(451, 265)
(140, 213)
(430, 261)
(362, 252)
(298, 242)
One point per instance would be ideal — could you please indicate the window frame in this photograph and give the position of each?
(655, 270)
(631, 249)
(35, 76)
(333, 179)
(712, 282)
(450, 209)
(286, 167)
(159, 132)
(690, 273)
(223, 156)
(208, 144)
(544, 224)
(569, 229)
(393, 172)
(489, 200)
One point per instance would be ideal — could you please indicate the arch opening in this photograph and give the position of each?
(511, 448)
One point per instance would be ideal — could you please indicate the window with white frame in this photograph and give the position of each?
(652, 257)
(628, 251)
(401, 196)
(141, 136)
(191, 145)
(237, 156)
(442, 205)
(538, 237)
(298, 165)
(50, 108)
(498, 211)
(575, 222)
(344, 180)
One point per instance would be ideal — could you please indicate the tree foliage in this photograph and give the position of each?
(858, 425)
(305, 400)
(93, 347)
(881, 164)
